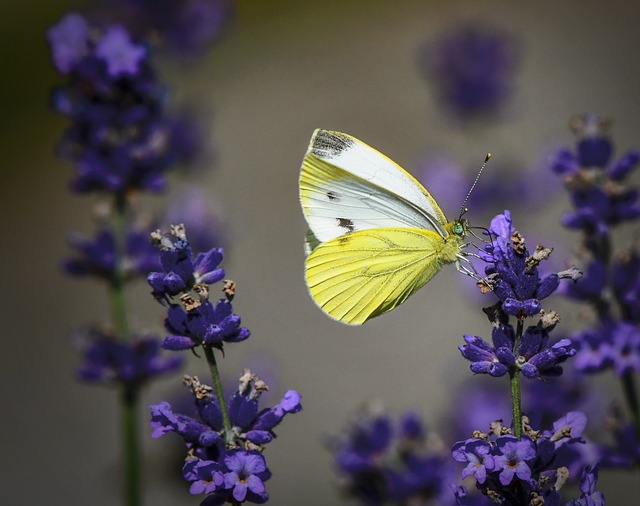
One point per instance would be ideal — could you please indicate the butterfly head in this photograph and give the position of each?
(458, 228)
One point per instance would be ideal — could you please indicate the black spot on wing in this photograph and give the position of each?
(333, 196)
(329, 144)
(346, 223)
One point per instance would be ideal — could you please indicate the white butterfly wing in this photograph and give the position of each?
(346, 186)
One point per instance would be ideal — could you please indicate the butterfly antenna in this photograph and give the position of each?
(485, 230)
(463, 209)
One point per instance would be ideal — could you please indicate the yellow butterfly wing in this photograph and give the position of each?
(366, 273)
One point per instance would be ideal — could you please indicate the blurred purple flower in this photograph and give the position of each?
(120, 54)
(107, 360)
(119, 138)
(69, 41)
(589, 495)
(511, 184)
(97, 256)
(193, 205)
(596, 185)
(382, 462)
(472, 66)
(185, 27)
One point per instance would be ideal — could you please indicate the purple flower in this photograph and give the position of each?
(119, 138)
(247, 474)
(368, 439)
(97, 257)
(185, 27)
(515, 187)
(612, 344)
(381, 462)
(205, 475)
(484, 358)
(588, 483)
(192, 430)
(625, 283)
(119, 53)
(107, 360)
(568, 429)
(513, 457)
(509, 470)
(477, 453)
(215, 465)
(513, 274)
(593, 346)
(69, 41)
(591, 284)
(182, 273)
(183, 286)
(473, 67)
(248, 422)
(625, 451)
(625, 349)
(596, 185)
(535, 357)
(205, 324)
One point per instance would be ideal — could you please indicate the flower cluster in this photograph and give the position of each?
(526, 470)
(109, 360)
(192, 320)
(226, 463)
(226, 439)
(513, 276)
(120, 138)
(184, 27)
(380, 462)
(603, 199)
(98, 257)
(473, 66)
(597, 185)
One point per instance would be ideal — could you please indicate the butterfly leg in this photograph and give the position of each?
(469, 269)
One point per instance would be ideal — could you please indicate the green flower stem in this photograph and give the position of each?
(516, 395)
(130, 392)
(118, 300)
(131, 447)
(213, 368)
(631, 397)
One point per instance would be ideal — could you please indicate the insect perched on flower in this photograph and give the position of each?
(376, 234)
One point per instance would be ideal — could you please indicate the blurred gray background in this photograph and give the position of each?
(284, 68)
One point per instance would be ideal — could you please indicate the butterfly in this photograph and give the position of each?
(376, 234)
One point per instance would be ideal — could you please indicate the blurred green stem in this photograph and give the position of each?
(131, 448)
(631, 397)
(118, 300)
(130, 392)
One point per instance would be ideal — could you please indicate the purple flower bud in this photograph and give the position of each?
(119, 53)
(69, 42)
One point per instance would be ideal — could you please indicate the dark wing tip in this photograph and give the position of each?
(329, 144)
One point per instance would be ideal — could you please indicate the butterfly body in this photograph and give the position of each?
(376, 235)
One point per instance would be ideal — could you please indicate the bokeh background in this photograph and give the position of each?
(283, 68)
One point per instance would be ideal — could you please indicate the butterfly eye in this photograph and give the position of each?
(458, 229)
